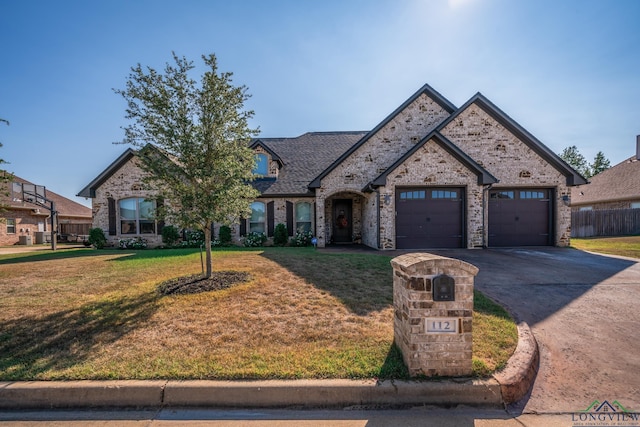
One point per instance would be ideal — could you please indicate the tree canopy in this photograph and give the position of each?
(194, 142)
(572, 156)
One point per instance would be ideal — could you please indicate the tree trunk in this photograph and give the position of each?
(207, 245)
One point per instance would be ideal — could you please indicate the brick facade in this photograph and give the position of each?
(476, 147)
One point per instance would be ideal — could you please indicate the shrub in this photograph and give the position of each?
(193, 238)
(132, 243)
(224, 235)
(255, 239)
(302, 238)
(280, 235)
(170, 235)
(97, 238)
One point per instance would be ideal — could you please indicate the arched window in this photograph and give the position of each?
(261, 165)
(137, 216)
(303, 216)
(258, 218)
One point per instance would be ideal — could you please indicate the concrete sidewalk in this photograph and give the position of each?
(508, 386)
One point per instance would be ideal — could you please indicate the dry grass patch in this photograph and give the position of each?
(98, 315)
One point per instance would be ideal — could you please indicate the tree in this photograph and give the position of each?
(193, 142)
(600, 163)
(572, 156)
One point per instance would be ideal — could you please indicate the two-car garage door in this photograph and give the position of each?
(520, 217)
(429, 217)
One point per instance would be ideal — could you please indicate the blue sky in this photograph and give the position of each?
(568, 71)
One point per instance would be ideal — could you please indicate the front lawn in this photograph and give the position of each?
(87, 314)
(624, 246)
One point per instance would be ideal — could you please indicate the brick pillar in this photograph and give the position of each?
(435, 336)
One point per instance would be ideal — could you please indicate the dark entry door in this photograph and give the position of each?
(520, 217)
(429, 218)
(342, 221)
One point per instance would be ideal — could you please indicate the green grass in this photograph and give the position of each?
(86, 314)
(628, 246)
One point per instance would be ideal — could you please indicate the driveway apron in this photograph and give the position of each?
(583, 311)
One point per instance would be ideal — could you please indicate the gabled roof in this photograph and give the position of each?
(65, 207)
(620, 182)
(573, 177)
(426, 90)
(259, 143)
(303, 157)
(90, 190)
(484, 177)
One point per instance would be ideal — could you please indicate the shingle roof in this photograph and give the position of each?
(64, 206)
(304, 157)
(620, 182)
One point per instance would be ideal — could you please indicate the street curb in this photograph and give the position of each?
(517, 377)
(248, 394)
(507, 386)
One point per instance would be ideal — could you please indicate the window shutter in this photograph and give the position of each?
(270, 219)
(159, 205)
(112, 216)
(243, 227)
(290, 218)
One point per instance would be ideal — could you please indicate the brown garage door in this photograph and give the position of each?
(520, 217)
(429, 218)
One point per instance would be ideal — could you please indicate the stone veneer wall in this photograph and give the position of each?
(428, 353)
(431, 165)
(374, 157)
(510, 160)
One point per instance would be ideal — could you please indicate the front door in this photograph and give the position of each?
(342, 221)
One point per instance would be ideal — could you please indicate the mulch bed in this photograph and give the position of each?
(195, 284)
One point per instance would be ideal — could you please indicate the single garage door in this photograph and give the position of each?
(520, 217)
(429, 218)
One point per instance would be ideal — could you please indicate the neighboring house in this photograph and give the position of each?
(430, 175)
(610, 204)
(21, 218)
(615, 188)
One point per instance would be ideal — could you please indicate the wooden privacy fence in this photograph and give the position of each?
(74, 229)
(609, 222)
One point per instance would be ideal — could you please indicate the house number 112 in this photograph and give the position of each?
(442, 325)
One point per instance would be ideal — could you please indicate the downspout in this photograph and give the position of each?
(485, 225)
(378, 217)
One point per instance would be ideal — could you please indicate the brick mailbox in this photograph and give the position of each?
(433, 302)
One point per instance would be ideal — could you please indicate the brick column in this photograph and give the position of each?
(435, 337)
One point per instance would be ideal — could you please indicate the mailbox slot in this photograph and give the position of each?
(444, 288)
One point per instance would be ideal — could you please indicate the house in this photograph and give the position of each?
(430, 175)
(615, 188)
(610, 204)
(23, 221)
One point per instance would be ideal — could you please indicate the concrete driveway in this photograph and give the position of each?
(584, 312)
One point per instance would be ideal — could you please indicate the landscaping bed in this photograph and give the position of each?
(297, 313)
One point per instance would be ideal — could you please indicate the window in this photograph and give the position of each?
(137, 216)
(532, 195)
(635, 205)
(11, 226)
(258, 218)
(303, 217)
(586, 208)
(261, 165)
(509, 195)
(412, 195)
(444, 194)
